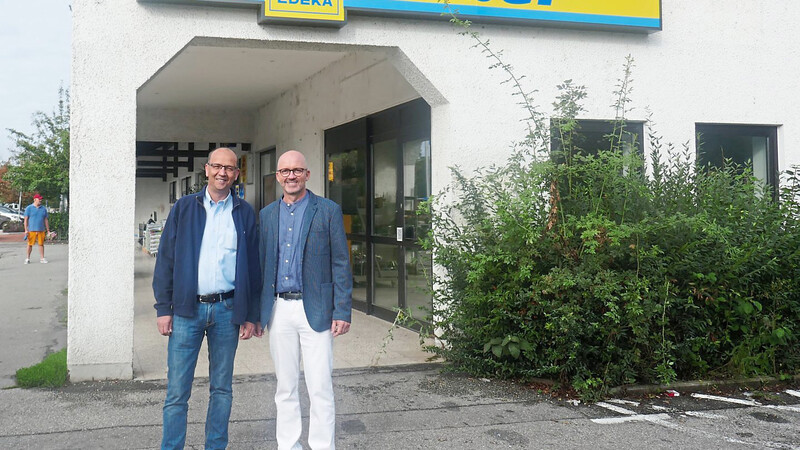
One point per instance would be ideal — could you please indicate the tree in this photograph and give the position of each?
(40, 162)
(7, 193)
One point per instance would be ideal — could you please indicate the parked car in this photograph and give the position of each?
(7, 214)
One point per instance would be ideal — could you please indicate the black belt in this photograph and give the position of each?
(291, 295)
(214, 298)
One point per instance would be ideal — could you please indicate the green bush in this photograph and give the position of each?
(579, 267)
(51, 372)
(59, 222)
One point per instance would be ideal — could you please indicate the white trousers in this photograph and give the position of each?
(289, 334)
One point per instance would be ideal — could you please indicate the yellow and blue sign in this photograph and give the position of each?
(305, 10)
(642, 15)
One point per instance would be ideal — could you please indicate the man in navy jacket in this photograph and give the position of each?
(305, 301)
(207, 283)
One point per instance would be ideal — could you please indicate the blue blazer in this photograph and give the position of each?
(325, 262)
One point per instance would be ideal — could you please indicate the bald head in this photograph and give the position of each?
(221, 150)
(222, 172)
(293, 158)
(292, 175)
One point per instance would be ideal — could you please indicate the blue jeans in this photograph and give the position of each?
(212, 320)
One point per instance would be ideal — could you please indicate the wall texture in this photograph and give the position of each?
(728, 62)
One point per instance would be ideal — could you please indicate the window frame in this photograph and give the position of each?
(731, 130)
(605, 126)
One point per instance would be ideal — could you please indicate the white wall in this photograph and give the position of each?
(733, 62)
(355, 86)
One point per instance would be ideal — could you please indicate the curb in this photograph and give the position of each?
(700, 385)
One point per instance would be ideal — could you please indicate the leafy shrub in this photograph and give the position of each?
(59, 222)
(579, 267)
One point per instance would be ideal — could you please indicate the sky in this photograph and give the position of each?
(35, 52)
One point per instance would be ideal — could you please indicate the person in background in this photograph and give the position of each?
(36, 227)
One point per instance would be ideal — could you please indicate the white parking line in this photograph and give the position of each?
(792, 392)
(704, 415)
(792, 408)
(727, 399)
(623, 402)
(616, 409)
(655, 418)
(661, 408)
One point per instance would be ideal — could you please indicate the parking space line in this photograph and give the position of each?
(727, 399)
(616, 409)
(623, 402)
(656, 418)
(703, 414)
(792, 392)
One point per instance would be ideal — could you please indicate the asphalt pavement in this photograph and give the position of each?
(33, 298)
(389, 404)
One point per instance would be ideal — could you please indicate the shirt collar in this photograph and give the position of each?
(295, 204)
(224, 201)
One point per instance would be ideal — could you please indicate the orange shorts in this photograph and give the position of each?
(36, 236)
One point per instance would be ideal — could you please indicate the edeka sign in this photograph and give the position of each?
(305, 10)
(639, 14)
(643, 15)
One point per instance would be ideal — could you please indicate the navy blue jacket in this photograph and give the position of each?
(175, 275)
(324, 258)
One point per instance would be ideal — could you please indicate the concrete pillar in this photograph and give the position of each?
(102, 188)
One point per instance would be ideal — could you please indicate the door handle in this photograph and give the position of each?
(399, 234)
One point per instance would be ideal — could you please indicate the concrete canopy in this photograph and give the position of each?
(231, 75)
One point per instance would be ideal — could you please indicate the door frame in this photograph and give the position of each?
(404, 123)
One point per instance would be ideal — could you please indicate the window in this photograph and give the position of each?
(591, 136)
(200, 180)
(172, 188)
(269, 185)
(186, 186)
(752, 146)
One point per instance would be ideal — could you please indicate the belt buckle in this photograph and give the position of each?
(209, 298)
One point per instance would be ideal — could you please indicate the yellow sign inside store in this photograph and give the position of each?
(627, 13)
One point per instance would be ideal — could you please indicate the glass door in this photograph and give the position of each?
(379, 172)
(386, 225)
(269, 189)
(416, 189)
(346, 184)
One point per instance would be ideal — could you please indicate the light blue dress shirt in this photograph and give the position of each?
(290, 268)
(216, 269)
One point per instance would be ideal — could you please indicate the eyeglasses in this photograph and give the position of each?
(298, 172)
(217, 167)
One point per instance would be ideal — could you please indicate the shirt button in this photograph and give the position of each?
(291, 214)
(288, 245)
(286, 278)
(290, 229)
(286, 261)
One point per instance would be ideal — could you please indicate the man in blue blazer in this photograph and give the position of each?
(305, 300)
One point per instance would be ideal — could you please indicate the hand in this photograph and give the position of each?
(246, 331)
(165, 325)
(258, 331)
(339, 327)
